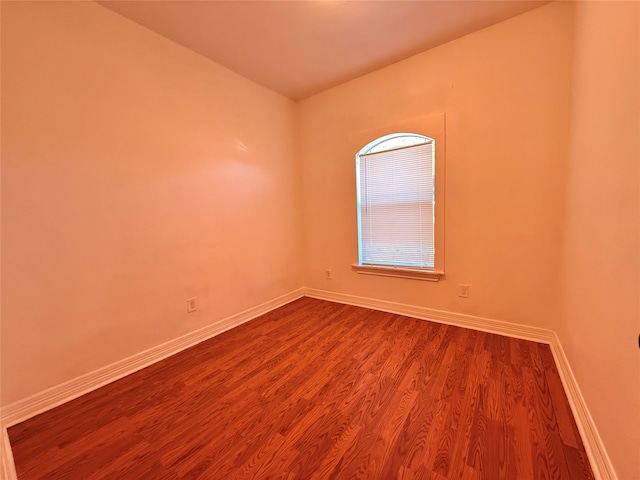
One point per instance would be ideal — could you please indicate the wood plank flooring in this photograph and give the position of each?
(319, 390)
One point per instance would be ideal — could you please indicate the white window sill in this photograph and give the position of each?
(401, 272)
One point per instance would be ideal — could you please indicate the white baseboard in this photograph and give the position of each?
(7, 467)
(42, 401)
(52, 397)
(499, 327)
(598, 458)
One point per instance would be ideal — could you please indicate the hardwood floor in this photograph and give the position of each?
(319, 390)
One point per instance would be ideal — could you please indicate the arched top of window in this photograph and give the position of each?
(394, 141)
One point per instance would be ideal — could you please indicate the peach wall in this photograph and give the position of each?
(600, 275)
(505, 91)
(135, 174)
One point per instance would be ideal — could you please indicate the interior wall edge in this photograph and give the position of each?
(598, 458)
(499, 327)
(52, 397)
(40, 402)
(600, 462)
(7, 465)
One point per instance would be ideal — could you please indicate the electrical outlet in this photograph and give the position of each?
(463, 290)
(327, 274)
(191, 305)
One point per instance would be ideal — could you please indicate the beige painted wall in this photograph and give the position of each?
(135, 174)
(600, 275)
(505, 91)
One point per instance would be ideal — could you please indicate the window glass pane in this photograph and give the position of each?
(396, 202)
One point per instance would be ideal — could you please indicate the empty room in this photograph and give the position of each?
(324, 239)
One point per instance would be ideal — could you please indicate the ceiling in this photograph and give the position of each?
(299, 48)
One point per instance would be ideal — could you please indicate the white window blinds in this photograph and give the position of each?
(396, 206)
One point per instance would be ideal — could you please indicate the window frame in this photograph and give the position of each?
(431, 127)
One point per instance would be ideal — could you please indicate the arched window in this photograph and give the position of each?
(395, 182)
